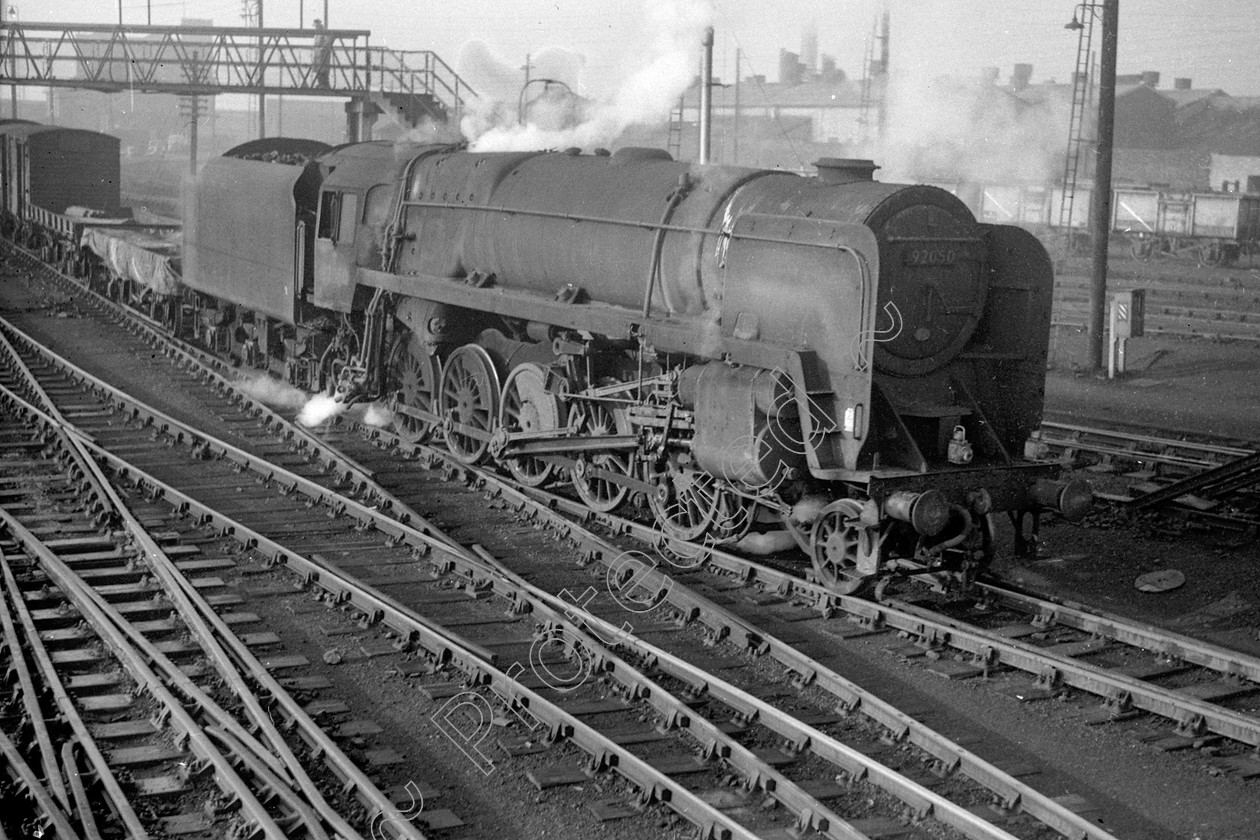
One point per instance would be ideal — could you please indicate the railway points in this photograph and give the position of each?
(455, 470)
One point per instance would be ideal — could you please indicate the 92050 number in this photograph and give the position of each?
(924, 257)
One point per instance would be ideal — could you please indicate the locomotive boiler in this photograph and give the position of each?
(734, 350)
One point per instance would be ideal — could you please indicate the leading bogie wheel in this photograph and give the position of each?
(413, 378)
(528, 407)
(468, 402)
(844, 550)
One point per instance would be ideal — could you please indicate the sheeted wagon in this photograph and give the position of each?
(138, 266)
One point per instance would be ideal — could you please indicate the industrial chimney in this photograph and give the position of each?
(1021, 75)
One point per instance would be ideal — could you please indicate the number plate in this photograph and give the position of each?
(934, 255)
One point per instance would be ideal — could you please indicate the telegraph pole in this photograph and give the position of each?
(706, 96)
(12, 11)
(1100, 201)
(735, 132)
(262, 97)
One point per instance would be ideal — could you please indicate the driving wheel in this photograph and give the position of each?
(527, 406)
(413, 377)
(469, 402)
(600, 492)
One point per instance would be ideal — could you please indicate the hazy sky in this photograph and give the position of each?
(1210, 41)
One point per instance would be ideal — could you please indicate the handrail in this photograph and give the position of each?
(206, 60)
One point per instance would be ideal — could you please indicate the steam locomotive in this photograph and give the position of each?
(856, 364)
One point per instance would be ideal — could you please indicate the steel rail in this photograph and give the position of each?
(226, 776)
(810, 809)
(440, 644)
(800, 735)
(1113, 442)
(932, 628)
(30, 703)
(1013, 792)
(218, 639)
(1054, 669)
(391, 526)
(318, 494)
(1013, 656)
(200, 617)
(69, 712)
(1128, 631)
(1009, 789)
(107, 498)
(810, 812)
(282, 789)
(277, 755)
(164, 423)
(851, 696)
(208, 367)
(87, 817)
(53, 815)
(408, 624)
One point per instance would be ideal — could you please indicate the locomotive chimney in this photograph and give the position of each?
(1150, 78)
(845, 170)
(1181, 84)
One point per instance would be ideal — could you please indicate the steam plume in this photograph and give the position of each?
(966, 130)
(273, 392)
(319, 408)
(646, 96)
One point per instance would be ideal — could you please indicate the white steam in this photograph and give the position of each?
(807, 510)
(967, 130)
(313, 409)
(374, 414)
(647, 95)
(770, 542)
(273, 392)
(318, 409)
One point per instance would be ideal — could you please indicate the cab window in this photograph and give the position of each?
(329, 213)
(349, 217)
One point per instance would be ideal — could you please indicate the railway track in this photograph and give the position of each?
(1155, 452)
(1210, 483)
(164, 702)
(740, 736)
(1003, 645)
(692, 594)
(1217, 307)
